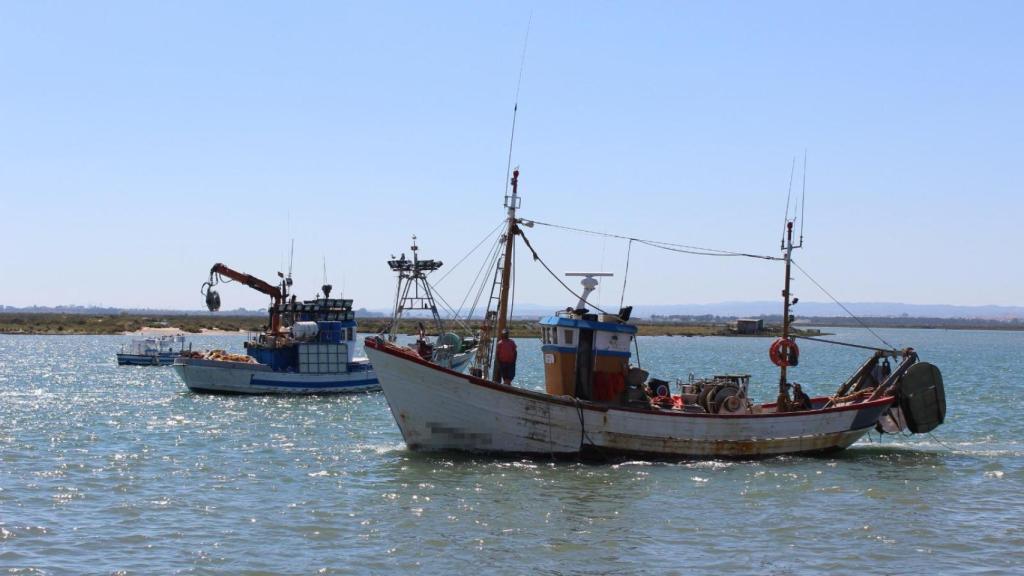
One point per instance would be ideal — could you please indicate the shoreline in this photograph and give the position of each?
(45, 324)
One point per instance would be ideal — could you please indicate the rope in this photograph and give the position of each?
(670, 246)
(812, 339)
(555, 276)
(947, 446)
(847, 310)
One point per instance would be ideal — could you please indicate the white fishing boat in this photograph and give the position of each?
(595, 403)
(151, 351)
(416, 294)
(309, 348)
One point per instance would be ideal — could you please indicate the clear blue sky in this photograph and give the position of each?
(140, 142)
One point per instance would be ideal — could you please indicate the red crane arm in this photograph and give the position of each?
(256, 284)
(249, 280)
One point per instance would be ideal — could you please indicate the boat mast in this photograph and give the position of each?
(511, 203)
(412, 275)
(783, 400)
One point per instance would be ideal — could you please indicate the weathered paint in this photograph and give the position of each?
(439, 409)
(246, 378)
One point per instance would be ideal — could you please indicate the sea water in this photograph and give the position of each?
(107, 469)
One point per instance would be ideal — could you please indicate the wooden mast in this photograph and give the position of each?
(511, 202)
(783, 402)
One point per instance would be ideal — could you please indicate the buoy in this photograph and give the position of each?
(784, 352)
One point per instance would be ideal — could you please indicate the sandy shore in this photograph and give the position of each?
(170, 331)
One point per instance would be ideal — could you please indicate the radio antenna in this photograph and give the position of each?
(291, 258)
(515, 108)
(803, 199)
(789, 193)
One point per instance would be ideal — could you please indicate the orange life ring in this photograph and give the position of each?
(784, 352)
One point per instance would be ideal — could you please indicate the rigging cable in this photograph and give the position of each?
(838, 343)
(859, 321)
(487, 265)
(555, 276)
(629, 250)
(683, 248)
(470, 253)
(448, 308)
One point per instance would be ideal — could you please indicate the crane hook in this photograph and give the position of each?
(212, 297)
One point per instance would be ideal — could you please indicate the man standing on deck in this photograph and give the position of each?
(507, 354)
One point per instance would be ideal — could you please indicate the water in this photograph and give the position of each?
(109, 469)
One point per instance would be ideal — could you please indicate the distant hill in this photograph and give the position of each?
(807, 309)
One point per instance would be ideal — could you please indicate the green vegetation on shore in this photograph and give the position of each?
(56, 324)
(121, 323)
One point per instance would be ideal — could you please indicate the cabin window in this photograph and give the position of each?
(568, 337)
(554, 335)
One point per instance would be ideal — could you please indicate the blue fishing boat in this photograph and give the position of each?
(309, 347)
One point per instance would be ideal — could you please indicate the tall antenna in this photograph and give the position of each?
(291, 258)
(515, 108)
(803, 199)
(789, 192)
(327, 287)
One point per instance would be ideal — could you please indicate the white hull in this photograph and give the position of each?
(438, 409)
(243, 378)
(163, 359)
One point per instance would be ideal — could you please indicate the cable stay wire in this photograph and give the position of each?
(555, 276)
(448, 308)
(847, 310)
(470, 253)
(670, 246)
(629, 251)
(488, 264)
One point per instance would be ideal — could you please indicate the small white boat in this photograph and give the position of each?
(595, 403)
(315, 354)
(151, 351)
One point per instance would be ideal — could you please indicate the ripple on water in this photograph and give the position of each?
(113, 469)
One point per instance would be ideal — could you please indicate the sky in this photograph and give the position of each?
(141, 142)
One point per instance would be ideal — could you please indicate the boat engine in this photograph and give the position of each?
(725, 394)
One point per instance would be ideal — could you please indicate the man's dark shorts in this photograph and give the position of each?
(507, 370)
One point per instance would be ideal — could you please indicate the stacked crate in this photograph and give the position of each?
(319, 358)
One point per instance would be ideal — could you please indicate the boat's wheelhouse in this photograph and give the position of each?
(320, 340)
(586, 355)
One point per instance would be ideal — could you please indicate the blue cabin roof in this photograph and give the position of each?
(565, 322)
